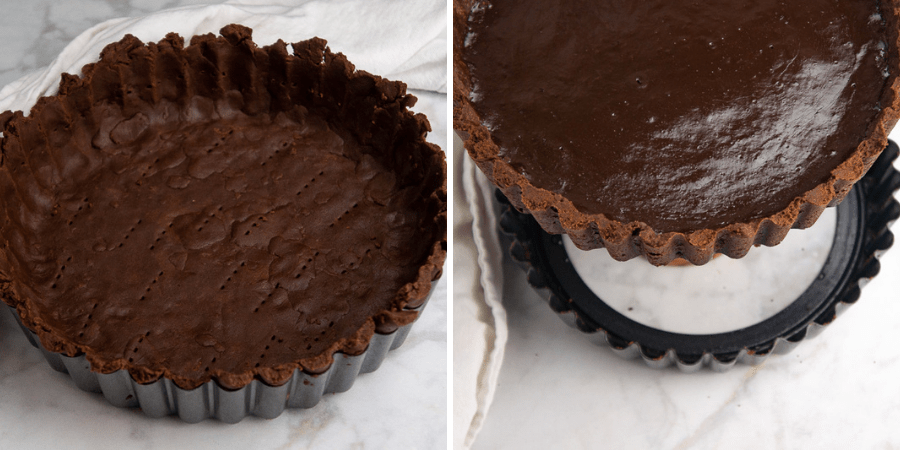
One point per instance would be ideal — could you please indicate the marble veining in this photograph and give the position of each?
(559, 390)
(401, 405)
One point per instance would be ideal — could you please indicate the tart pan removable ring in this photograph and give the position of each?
(212, 401)
(861, 236)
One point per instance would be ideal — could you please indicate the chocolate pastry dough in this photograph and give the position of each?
(219, 211)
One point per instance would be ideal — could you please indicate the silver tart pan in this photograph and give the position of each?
(209, 400)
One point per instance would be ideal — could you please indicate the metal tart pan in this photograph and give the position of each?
(862, 236)
(209, 400)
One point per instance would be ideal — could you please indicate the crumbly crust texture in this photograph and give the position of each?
(219, 211)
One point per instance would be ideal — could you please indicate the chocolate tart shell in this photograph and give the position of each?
(625, 240)
(270, 80)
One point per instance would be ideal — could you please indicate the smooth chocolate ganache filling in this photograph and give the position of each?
(681, 115)
(190, 230)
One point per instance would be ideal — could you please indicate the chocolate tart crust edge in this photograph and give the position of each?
(625, 241)
(405, 306)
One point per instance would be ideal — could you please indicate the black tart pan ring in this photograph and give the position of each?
(861, 236)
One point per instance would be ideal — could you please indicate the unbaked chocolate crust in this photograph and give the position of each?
(552, 201)
(219, 211)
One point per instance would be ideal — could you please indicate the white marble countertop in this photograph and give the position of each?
(401, 405)
(838, 390)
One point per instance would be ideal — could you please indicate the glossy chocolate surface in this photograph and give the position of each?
(681, 115)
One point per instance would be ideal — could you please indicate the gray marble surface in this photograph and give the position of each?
(838, 390)
(401, 405)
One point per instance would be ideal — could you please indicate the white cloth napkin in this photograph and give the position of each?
(402, 40)
(479, 319)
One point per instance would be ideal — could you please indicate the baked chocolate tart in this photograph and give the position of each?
(219, 212)
(671, 129)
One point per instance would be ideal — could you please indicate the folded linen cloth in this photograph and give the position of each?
(479, 319)
(402, 40)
